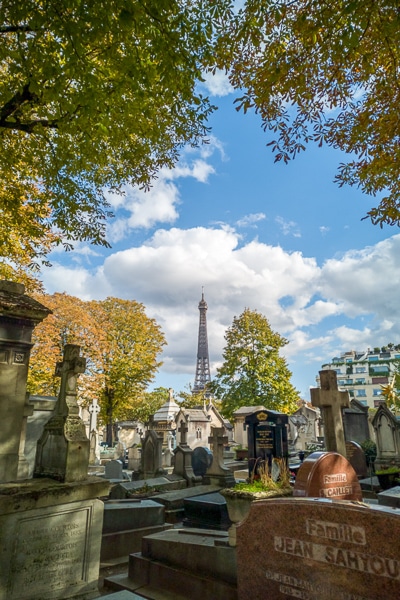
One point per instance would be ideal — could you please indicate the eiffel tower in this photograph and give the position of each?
(202, 376)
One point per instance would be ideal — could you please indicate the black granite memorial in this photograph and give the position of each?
(267, 434)
(201, 460)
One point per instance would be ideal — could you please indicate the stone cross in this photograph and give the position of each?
(183, 429)
(69, 369)
(94, 410)
(63, 449)
(331, 401)
(217, 441)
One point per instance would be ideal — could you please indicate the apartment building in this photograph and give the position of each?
(363, 373)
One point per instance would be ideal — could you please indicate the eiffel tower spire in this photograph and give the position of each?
(202, 376)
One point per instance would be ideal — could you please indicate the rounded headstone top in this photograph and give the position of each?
(327, 475)
(202, 459)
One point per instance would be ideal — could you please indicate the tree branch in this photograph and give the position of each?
(15, 28)
(11, 107)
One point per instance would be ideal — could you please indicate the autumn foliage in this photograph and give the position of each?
(119, 341)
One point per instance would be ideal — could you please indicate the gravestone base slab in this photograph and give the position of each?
(50, 536)
(181, 565)
(223, 481)
(174, 500)
(207, 512)
(125, 523)
(390, 497)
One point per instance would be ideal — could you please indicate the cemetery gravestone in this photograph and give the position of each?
(356, 457)
(267, 438)
(202, 459)
(318, 550)
(183, 458)
(331, 401)
(50, 529)
(387, 431)
(355, 422)
(151, 457)
(63, 449)
(217, 473)
(113, 470)
(327, 475)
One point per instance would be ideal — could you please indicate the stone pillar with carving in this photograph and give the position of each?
(19, 315)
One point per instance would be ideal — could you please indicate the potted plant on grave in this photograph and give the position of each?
(388, 476)
(262, 485)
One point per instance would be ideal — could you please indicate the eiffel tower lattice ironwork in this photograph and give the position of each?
(203, 363)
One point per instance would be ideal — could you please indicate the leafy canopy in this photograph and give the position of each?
(252, 372)
(120, 342)
(326, 72)
(94, 96)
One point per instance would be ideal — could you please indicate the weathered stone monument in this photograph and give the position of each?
(94, 453)
(387, 432)
(151, 457)
(331, 401)
(19, 315)
(355, 422)
(217, 473)
(50, 528)
(183, 458)
(63, 449)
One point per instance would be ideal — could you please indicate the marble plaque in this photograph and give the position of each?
(50, 553)
(316, 549)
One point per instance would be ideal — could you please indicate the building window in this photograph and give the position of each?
(360, 380)
(377, 392)
(373, 358)
(377, 403)
(361, 369)
(361, 393)
(244, 426)
(198, 433)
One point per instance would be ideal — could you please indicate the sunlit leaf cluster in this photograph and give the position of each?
(94, 96)
(324, 72)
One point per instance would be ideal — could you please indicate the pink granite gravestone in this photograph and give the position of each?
(316, 549)
(327, 475)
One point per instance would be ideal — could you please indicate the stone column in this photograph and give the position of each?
(19, 315)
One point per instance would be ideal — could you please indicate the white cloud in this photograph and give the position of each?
(250, 220)
(288, 227)
(347, 303)
(218, 84)
(139, 209)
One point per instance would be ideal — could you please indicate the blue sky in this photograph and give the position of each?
(282, 239)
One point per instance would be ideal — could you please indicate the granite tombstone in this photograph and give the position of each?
(202, 458)
(327, 475)
(267, 432)
(318, 550)
(356, 457)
